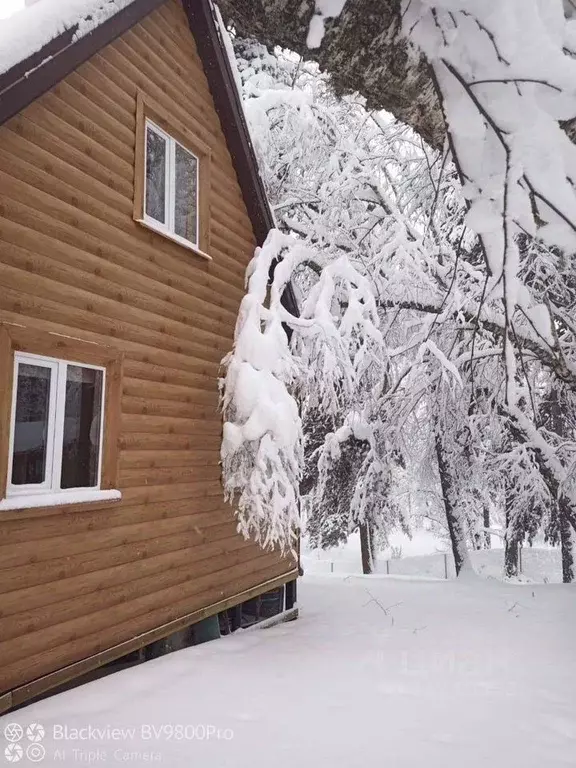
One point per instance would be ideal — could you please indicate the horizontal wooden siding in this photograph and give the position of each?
(75, 581)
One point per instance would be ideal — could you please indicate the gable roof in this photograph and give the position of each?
(40, 46)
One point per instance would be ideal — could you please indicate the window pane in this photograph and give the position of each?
(82, 417)
(155, 176)
(186, 195)
(31, 424)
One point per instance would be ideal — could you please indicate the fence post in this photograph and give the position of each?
(445, 565)
(520, 564)
(388, 567)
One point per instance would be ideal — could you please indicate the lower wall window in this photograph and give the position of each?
(56, 427)
(60, 417)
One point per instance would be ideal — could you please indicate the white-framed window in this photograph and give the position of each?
(171, 187)
(56, 428)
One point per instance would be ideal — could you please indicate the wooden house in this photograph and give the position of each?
(130, 205)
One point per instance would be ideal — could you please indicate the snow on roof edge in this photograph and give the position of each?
(29, 30)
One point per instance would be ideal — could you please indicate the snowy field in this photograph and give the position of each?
(539, 564)
(424, 555)
(404, 672)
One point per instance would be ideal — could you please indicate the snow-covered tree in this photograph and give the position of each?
(471, 332)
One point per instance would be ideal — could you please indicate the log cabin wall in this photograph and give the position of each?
(77, 580)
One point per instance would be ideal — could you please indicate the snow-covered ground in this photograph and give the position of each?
(378, 670)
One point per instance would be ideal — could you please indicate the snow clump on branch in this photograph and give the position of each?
(266, 377)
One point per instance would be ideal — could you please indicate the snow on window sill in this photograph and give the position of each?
(75, 496)
(149, 224)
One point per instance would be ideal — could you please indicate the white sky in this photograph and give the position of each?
(8, 7)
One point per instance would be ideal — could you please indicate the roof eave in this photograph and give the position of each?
(32, 77)
(203, 26)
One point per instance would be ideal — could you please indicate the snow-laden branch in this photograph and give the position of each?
(550, 355)
(504, 107)
(335, 341)
(262, 436)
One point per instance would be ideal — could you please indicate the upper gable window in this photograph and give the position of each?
(172, 179)
(171, 185)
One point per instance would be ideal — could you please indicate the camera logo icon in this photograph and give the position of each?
(13, 752)
(35, 753)
(35, 732)
(13, 732)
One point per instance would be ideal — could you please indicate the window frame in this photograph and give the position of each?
(168, 227)
(19, 343)
(149, 113)
(55, 431)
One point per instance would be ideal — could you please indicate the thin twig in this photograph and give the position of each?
(515, 80)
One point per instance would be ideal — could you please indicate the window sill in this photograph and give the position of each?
(174, 238)
(75, 496)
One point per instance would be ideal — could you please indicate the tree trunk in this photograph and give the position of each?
(366, 548)
(487, 538)
(511, 539)
(510, 558)
(514, 531)
(567, 541)
(478, 540)
(557, 423)
(362, 50)
(457, 537)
